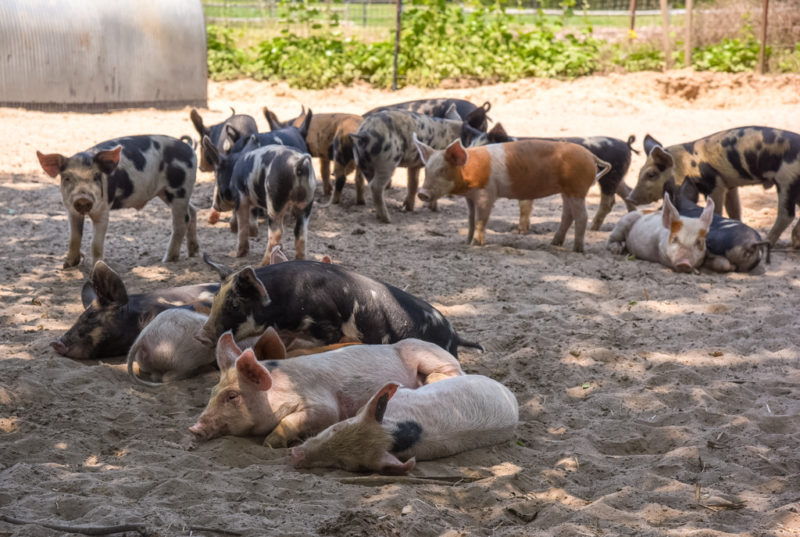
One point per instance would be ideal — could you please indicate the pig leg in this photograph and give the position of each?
(359, 187)
(525, 210)
(377, 185)
(606, 204)
(796, 235)
(308, 421)
(717, 263)
(180, 216)
(340, 180)
(325, 171)
(191, 232)
(784, 218)
(100, 226)
(580, 216)
(274, 235)
(618, 236)
(413, 184)
(431, 362)
(733, 205)
(75, 237)
(301, 231)
(483, 206)
(624, 192)
(242, 216)
(566, 221)
(471, 228)
(253, 225)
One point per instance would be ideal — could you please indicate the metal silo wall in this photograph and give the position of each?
(96, 54)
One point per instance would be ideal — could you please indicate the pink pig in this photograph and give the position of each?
(288, 399)
(666, 237)
(437, 420)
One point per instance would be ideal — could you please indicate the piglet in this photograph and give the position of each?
(437, 420)
(167, 350)
(296, 397)
(667, 237)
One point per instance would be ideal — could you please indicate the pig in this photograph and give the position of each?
(112, 319)
(278, 179)
(384, 142)
(286, 399)
(243, 124)
(612, 150)
(526, 169)
(436, 420)
(313, 304)
(166, 348)
(665, 237)
(122, 173)
(724, 161)
(329, 140)
(441, 107)
(730, 244)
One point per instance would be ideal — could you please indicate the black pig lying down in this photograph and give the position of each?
(312, 304)
(308, 302)
(112, 319)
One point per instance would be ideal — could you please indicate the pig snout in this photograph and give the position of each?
(199, 431)
(683, 265)
(298, 456)
(424, 195)
(83, 204)
(60, 347)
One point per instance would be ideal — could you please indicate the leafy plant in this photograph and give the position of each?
(730, 56)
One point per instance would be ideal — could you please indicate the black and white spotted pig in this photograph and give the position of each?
(440, 108)
(276, 178)
(123, 173)
(612, 150)
(384, 142)
(724, 161)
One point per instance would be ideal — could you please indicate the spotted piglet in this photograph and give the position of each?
(439, 419)
(123, 173)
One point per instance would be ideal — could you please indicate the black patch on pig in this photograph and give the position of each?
(768, 135)
(377, 145)
(175, 176)
(688, 147)
(281, 181)
(761, 162)
(156, 144)
(169, 196)
(736, 161)
(180, 193)
(272, 364)
(793, 152)
(301, 220)
(694, 164)
(406, 434)
(729, 141)
(180, 152)
(186, 218)
(261, 189)
(792, 197)
(120, 187)
(134, 149)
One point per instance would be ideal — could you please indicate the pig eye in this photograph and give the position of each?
(673, 239)
(701, 244)
(231, 396)
(97, 177)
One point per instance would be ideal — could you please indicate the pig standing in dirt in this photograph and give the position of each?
(437, 420)
(292, 398)
(522, 170)
(329, 140)
(126, 173)
(665, 237)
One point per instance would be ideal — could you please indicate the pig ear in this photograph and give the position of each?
(277, 256)
(306, 124)
(376, 408)
(232, 133)
(227, 351)
(452, 113)
(212, 153)
(197, 121)
(108, 160)
(669, 213)
(708, 213)
(250, 370)
(52, 164)
(649, 143)
(270, 346)
(425, 151)
(357, 138)
(455, 154)
(477, 118)
(272, 119)
(248, 284)
(108, 286)
(87, 294)
(391, 465)
(327, 259)
(498, 133)
(661, 158)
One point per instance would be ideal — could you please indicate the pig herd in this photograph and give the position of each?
(353, 372)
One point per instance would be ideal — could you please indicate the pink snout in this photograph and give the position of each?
(82, 205)
(298, 456)
(683, 265)
(424, 195)
(59, 347)
(199, 431)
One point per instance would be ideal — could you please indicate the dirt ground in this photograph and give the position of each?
(652, 403)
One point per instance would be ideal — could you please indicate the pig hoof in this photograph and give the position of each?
(578, 249)
(253, 232)
(194, 249)
(360, 201)
(169, 258)
(69, 263)
(241, 252)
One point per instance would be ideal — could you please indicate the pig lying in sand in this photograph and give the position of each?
(292, 398)
(437, 420)
(664, 237)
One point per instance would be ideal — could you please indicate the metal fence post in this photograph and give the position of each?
(396, 42)
(665, 25)
(762, 53)
(687, 46)
(364, 13)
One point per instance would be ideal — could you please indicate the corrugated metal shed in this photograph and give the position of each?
(100, 54)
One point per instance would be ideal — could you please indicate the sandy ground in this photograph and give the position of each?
(652, 403)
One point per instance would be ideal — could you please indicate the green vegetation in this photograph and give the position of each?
(442, 41)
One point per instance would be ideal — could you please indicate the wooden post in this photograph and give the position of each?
(762, 54)
(397, 42)
(688, 39)
(665, 25)
(633, 20)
